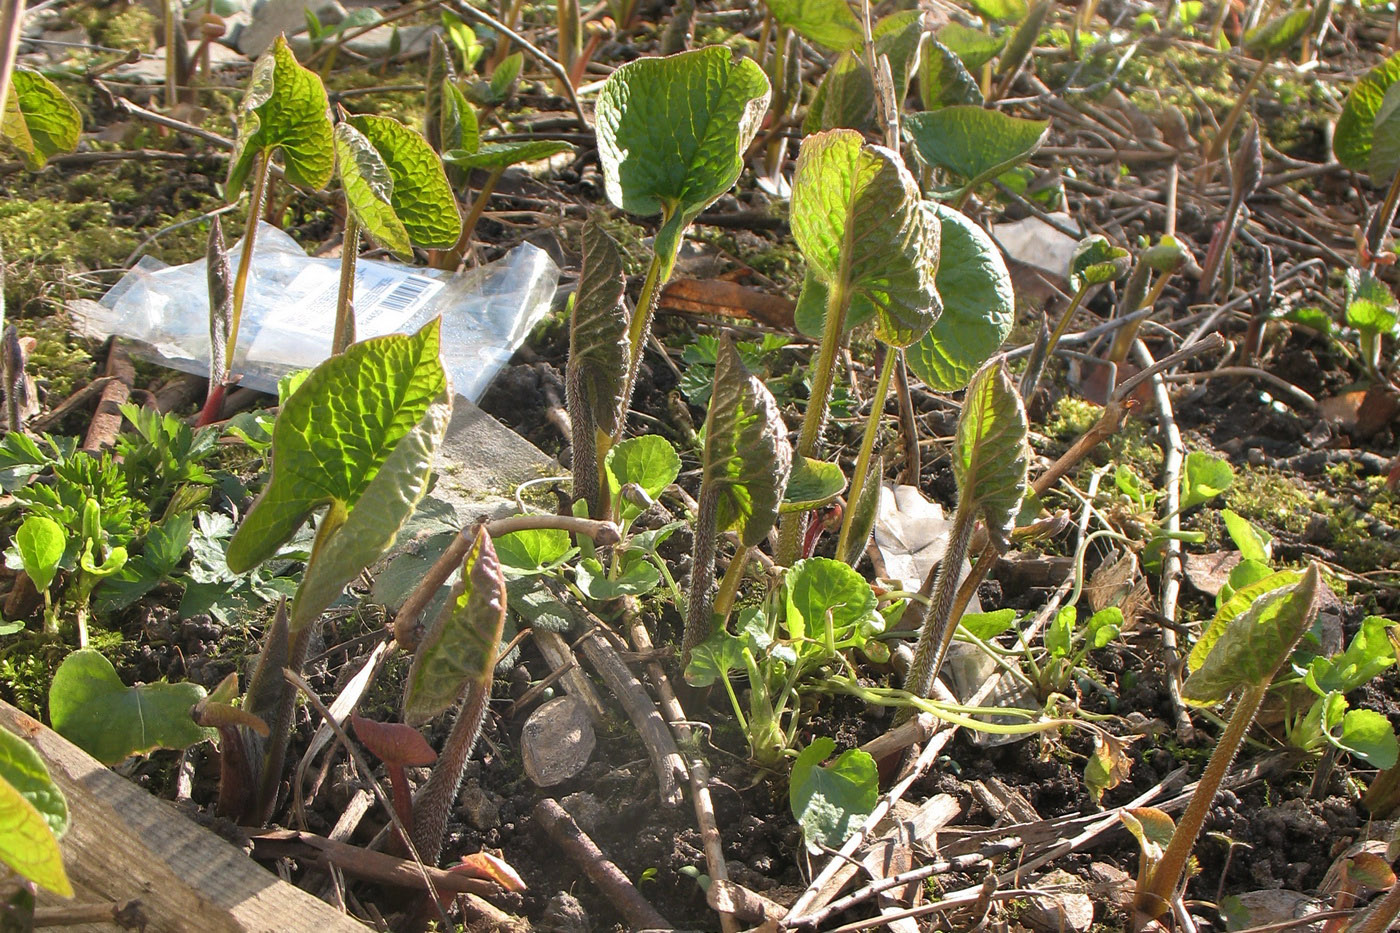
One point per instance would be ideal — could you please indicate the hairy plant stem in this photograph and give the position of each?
(279, 732)
(935, 621)
(1217, 146)
(1154, 895)
(213, 405)
(453, 257)
(658, 273)
(433, 802)
(702, 572)
(867, 447)
(729, 584)
(908, 426)
(345, 299)
(814, 419)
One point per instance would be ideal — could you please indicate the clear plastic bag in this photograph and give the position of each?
(289, 310)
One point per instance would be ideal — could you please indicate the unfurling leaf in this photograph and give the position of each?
(1277, 35)
(978, 306)
(598, 333)
(91, 707)
(368, 188)
(828, 801)
(1153, 829)
(1238, 602)
(220, 278)
(990, 455)
(460, 648)
(332, 444)
(419, 194)
(672, 133)
(857, 218)
(284, 109)
(747, 454)
(39, 121)
(1254, 645)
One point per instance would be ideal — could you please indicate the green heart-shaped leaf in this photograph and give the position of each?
(335, 433)
(1204, 478)
(975, 143)
(747, 455)
(828, 23)
(812, 484)
(828, 801)
(503, 155)
(1352, 142)
(897, 38)
(649, 461)
(1385, 140)
(39, 120)
(1238, 602)
(818, 586)
(91, 707)
(1369, 654)
(856, 217)
(420, 195)
(990, 455)
(1255, 643)
(640, 578)
(533, 550)
(714, 658)
(285, 109)
(1096, 261)
(41, 543)
(368, 189)
(1371, 306)
(972, 46)
(944, 80)
(979, 306)
(460, 648)
(672, 133)
(1367, 735)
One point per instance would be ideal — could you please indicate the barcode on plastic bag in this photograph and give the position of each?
(408, 293)
(393, 296)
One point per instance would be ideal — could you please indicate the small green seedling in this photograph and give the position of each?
(1372, 310)
(1243, 661)
(1095, 262)
(40, 543)
(1368, 140)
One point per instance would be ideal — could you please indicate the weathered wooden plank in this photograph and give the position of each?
(123, 844)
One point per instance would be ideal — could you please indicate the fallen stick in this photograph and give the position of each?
(47, 422)
(127, 915)
(107, 421)
(699, 771)
(560, 657)
(565, 834)
(666, 758)
(364, 863)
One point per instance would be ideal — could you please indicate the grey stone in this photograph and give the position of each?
(151, 68)
(481, 461)
(277, 17)
(480, 808)
(587, 810)
(413, 40)
(1062, 912)
(564, 914)
(557, 741)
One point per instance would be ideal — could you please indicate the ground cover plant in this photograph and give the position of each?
(977, 488)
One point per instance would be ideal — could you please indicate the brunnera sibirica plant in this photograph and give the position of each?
(739, 552)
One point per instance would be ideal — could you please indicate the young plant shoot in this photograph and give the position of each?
(746, 463)
(284, 109)
(990, 458)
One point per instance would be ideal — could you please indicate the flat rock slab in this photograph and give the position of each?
(481, 461)
(123, 844)
(557, 741)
